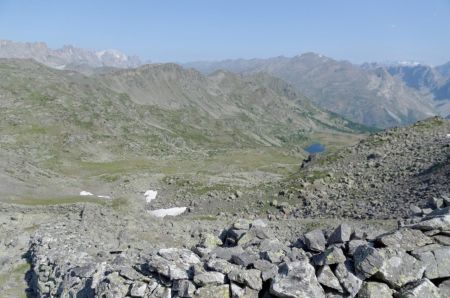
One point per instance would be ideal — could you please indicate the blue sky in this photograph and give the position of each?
(184, 30)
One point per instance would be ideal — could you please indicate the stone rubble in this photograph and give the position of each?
(246, 260)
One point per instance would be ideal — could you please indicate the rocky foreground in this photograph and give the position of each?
(247, 260)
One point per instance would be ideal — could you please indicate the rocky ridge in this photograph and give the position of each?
(247, 260)
(391, 174)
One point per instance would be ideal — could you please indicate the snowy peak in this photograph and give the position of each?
(68, 56)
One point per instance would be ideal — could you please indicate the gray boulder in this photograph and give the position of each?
(327, 278)
(345, 273)
(183, 288)
(368, 261)
(221, 265)
(296, 280)
(399, 268)
(406, 239)
(268, 270)
(250, 278)
(315, 240)
(330, 256)
(239, 292)
(209, 279)
(226, 253)
(342, 234)
(441, 223)
(423, 288)
(444, 288)
(375, 290)
(436, 262)
(222, 291)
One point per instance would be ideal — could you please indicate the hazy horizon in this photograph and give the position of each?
(182, 32)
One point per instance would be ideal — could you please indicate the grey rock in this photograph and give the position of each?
(406, 239)
(368, 261)
(436, 262)
(375, 290)
(222, 291)
(399, 268)
(184, 288)
(268, 270)
(138, 289)
(221, 265)
(327, 278)
(244, 259)
(210, 241)
(297, 280)
(345, 273)
(273, 256)
(250, 278)
(444, 288)
(226, 253)
(330, 256)
(209, 279)
(435, 203)
(442, 239)
(423, 288)
(415, 210)
(341, 234)
(246, 292)
(315, 240)
(441, 223)
(353, 245)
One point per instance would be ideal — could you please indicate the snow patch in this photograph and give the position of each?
(167, 212)
(448, 135)
(86, 193)
(150, 195)
(104, 197)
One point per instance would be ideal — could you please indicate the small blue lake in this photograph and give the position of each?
(315, 148)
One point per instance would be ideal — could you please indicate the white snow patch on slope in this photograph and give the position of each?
(167, 212)
(104, 197)
(448, 135)
(150, 195)
(86, 193)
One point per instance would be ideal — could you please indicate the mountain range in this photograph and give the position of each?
(372, 94)
(67, 57)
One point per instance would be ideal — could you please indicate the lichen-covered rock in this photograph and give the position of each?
(399, 268)
(406, 239)
(331, 255)
(368, 261)
(315, 240)
(251, 278)
(297, 280)
(327, 278)
(345, 273)
(375, 290)
(222, 291)
(209, 279)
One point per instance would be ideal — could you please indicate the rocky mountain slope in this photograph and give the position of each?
(67, 256)
(432, 82)
(68, 57)
(370, 96)
(384, 176)
(61, 124)
(371, 220)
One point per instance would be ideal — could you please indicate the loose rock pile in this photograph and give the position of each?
(380, 177)
(246, 260)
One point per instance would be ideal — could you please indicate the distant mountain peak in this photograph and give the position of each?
(68, 55)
